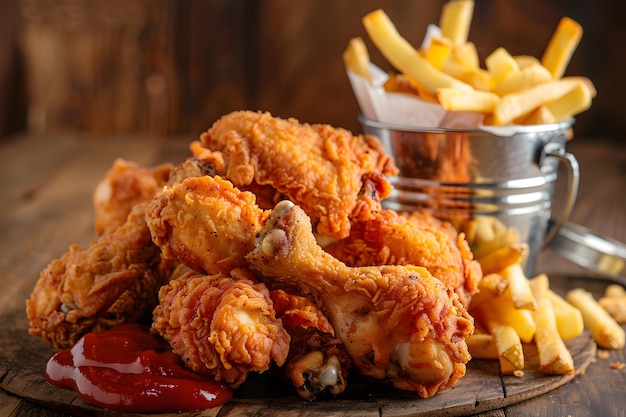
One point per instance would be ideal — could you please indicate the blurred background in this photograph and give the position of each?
(172, 67)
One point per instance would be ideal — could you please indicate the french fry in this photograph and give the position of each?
(507, 340)
(397, 83)
(614, 302)
(554, 357)
(404, 57)
(569, 319)
(522, 79)
(582, 80)
(509, 348)
(519, 288)
(501, 236)
(480, 79)
(501, 65)
(607, 333)
(494, 283)
(356, 58)
(539, 286)
(515, 105)
(575, 101)
(561, 47)
(502, 308)
(490, 286)
(482, 346)
(615, 306)
(455, 20)
(501, 258)
(614, 290)
(524, 61)
(541, 115)
(611, 264)
(438, 51)
(467, 226)
(464, 100)
(485, 229)
(462, 61)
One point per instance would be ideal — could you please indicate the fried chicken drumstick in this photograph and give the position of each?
(330, 173)
(398, 323)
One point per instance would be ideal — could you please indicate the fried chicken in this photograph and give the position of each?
(113, 281)
(317, 363)
(330, 173)
(398, 323)
(191, 167)
(415, 238)
(205, 223)
(124, 185)
(221, 325)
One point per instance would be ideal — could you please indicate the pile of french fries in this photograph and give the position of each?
(446, 69)
(510, 309)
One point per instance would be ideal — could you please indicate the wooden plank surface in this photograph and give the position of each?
(46, 205)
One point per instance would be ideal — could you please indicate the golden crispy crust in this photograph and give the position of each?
(205, 223)
(112, 281)
(124, 185)
(221, 325)
(417, 238)
(318, 167)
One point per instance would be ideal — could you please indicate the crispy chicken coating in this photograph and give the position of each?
(113, 281)
(205, 223)
(221, 325)
(321, 168)
(124, 185)
(415, 238)
(398, 323)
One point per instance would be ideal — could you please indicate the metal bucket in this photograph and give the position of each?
(473, 174)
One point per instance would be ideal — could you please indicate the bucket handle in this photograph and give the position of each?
(557, 151)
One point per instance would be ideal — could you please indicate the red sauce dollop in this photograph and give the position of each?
(128, 369)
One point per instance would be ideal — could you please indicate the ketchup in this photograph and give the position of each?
(128, 369)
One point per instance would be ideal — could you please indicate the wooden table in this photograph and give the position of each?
(46, 184)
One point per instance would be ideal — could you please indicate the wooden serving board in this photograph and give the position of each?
(482, 389)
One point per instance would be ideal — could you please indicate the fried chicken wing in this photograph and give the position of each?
(112, 281)
(124, 185)
(317, 363)
(398, 323)
(221, 325)
(205, 223)
(416, 238)
(321, 168)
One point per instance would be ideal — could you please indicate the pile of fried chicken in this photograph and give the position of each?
(269, 248)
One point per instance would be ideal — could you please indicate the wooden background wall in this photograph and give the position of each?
(172, 67)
